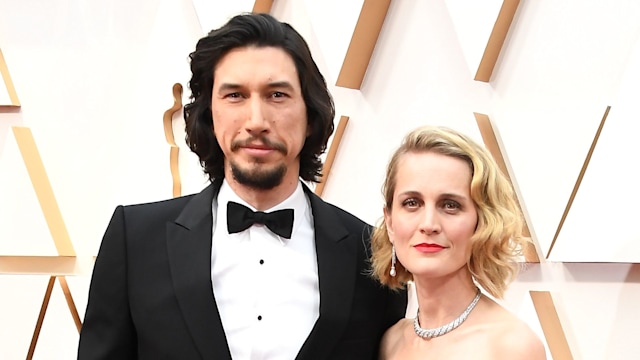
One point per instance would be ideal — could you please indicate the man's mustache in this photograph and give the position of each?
(261, 140)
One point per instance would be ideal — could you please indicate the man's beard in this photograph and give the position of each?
(260, 179)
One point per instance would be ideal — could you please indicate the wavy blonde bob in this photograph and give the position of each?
(497, 242)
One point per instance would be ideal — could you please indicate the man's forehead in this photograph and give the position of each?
(241, 65)
(248, 49)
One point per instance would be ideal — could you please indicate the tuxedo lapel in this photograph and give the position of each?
(189, 248)
(337, 267)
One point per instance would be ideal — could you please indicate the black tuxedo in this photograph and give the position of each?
(151, 295)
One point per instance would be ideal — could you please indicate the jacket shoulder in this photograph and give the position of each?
(158, 208)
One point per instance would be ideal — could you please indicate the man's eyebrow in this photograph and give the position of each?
(271, 85)
(280, 84)
(229, 86)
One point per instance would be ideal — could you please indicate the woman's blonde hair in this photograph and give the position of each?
(497, 241)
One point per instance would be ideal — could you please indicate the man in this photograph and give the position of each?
(201, 276)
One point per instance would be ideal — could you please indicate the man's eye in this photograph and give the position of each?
(233, 95)
(278, 94)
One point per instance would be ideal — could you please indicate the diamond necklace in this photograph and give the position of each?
(444, 329)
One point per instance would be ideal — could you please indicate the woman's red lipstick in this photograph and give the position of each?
(428, 248)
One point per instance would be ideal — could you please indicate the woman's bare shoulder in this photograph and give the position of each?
(514, 339)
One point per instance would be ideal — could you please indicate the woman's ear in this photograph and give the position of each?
(387, 222)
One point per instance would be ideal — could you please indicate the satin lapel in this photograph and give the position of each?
(337, 266)
(189, 247)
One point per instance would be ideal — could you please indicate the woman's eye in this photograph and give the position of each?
(410, 203)
(451, 205)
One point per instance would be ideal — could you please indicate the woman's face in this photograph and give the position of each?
(432, 217)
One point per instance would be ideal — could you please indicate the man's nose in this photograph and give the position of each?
(257, 121)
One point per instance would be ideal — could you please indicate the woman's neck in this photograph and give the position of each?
(442, 299)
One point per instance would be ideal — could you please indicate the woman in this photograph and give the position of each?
(451, 225)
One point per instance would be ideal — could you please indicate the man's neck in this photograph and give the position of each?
(262, 199)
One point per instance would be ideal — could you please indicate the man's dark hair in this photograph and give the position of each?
(259, 30)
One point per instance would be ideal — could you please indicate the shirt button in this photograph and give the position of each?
(259, 317)
(261, 261)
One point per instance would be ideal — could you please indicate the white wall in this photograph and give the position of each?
(94, 79)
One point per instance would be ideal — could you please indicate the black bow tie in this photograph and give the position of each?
(240, 218)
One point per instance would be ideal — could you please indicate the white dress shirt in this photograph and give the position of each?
(265, 286)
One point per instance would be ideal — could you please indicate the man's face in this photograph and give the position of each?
(259, 116)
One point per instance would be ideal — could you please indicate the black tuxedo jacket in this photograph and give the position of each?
(151, 295)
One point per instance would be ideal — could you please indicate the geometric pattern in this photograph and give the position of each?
(331, 154)
(46, 265)
(8, 95)
(548, 37)
(363, 42)
(579, 180)
(492, 144)
(551, 326)
(496, 40)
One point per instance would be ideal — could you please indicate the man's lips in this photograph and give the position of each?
(428, 248)
(258, 149)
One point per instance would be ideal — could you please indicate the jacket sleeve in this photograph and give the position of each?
(396, 307)
(108, 331)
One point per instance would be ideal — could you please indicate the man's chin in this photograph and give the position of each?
(260, 177)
